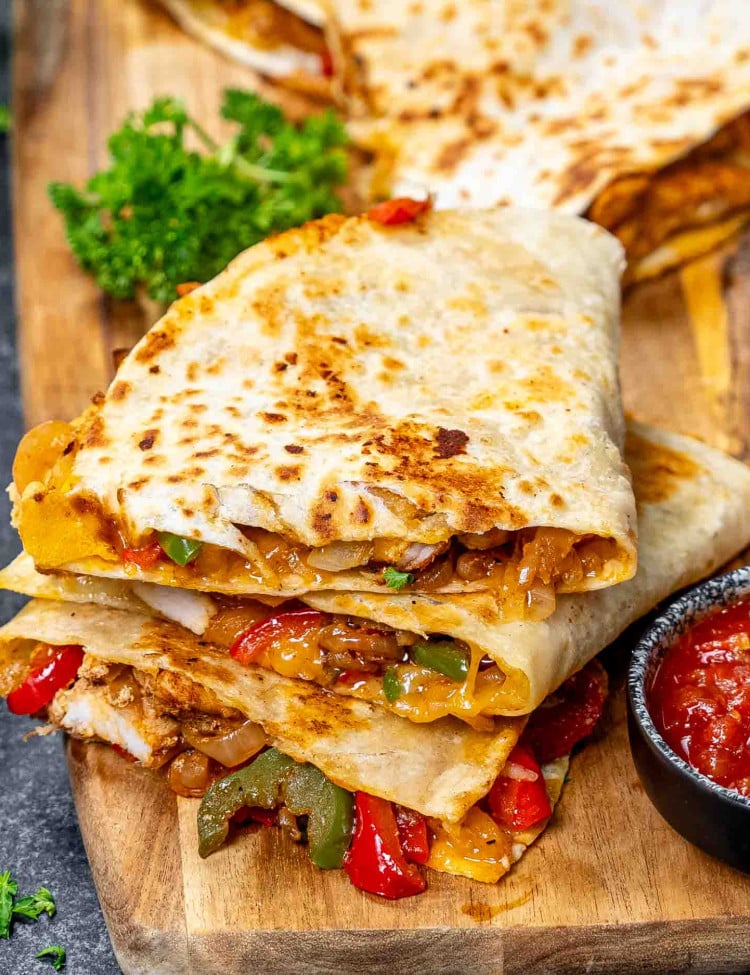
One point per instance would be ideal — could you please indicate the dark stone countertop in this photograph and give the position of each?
(39, 837)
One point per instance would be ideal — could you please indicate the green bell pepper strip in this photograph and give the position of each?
(391, 685)
(274, 779)
(329, 810)
(178, 549)
(444, 656)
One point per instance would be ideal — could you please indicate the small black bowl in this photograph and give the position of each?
(713, 818)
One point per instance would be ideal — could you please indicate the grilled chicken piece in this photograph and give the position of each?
(407, 556)
(86, 710)
(179, 696)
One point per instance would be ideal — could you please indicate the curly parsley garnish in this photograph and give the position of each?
(395, 579)
(8, 890)
(163, 214)
(56, 955)
(30, 907)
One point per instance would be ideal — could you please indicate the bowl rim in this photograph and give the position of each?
(673, 620)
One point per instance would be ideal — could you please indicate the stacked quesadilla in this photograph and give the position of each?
(630, 113)
(346, 518)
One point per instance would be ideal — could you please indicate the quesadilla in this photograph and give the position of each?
(428, 407)
(153, 690)
(425, 657)
(463, 801)
(630, 113)
(271, 38)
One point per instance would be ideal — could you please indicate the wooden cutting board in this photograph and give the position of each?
(610, 888)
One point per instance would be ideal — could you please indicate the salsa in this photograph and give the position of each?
(700, 697)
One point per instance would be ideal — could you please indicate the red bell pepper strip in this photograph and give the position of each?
(350, 678)
(186, 287)
(400, 210)
(123, 753)
(326, 63)
(412, 831)
(285, 625)
(568, 715)
(144, 557)
(375, 861)
(58, 671)
(517, 804)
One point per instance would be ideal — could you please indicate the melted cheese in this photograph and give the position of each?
(478, 848)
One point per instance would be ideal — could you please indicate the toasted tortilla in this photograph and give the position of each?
(441, 770)
(348, 382)
(694, 515)
(571, 106)
(281, 41)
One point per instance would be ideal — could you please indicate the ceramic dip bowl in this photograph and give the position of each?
(712, 817)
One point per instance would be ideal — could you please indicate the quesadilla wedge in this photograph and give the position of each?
(152, 691)
(428, 656)
(428, 407)
(271, 38)
(631, 113)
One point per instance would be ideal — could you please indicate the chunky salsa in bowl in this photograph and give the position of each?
(689, 715)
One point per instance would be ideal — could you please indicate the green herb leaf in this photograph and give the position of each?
(391, 685)
(31, 907)
(56, 955)
(180, 550)
(6, 120)
(8, 890)
(395, 579)
(163, 214)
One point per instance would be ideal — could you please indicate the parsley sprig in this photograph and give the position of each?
(163, 214)
(56, 955)
(30, 907)
(396, 579)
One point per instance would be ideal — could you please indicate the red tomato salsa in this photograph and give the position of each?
(700, 697)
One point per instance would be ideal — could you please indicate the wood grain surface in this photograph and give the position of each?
(610, 888)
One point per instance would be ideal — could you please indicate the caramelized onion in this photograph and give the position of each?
(340, 555)
(435, 576)
(541, 601)
(228, 623)
(349, 646)
(490, 539)
(472, 566)
(190, 775)
(230, 749)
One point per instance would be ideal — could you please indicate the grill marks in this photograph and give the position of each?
(273, 392)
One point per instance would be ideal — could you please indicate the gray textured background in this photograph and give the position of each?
(39, 838)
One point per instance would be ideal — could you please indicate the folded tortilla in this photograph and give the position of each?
(282, 41)
(694, 515)
(620, 110)
(347, 396)
(442, 770)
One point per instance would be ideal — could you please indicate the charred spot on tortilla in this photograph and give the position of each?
(450, 443)
(148, 440)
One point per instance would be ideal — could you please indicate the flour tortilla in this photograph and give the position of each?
(347, 381)
(694, 513)
(567, 105)
(289, 52)
(440, 771)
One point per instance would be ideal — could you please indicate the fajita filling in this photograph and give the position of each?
(524, 568)
(161, 719)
